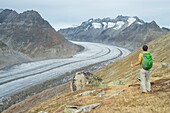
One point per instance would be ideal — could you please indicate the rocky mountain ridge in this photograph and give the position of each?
(125, 31)
(28, 33)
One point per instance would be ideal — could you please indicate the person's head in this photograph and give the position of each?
(145, 48)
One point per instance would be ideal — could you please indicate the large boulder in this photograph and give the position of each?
(81, 80)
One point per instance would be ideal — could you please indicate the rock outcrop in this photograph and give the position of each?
(83, 79)
(81, 109)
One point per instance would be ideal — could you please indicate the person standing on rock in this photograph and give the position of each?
(146, 62)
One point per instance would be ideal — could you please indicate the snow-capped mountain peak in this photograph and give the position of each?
(119, 22)
(126, 31)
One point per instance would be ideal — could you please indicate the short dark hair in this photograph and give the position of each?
(145, 48)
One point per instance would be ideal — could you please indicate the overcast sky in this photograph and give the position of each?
(65, 13)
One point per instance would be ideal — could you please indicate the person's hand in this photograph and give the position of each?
(132, 65)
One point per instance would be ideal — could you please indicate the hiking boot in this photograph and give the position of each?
(144, 92)
(150, 91)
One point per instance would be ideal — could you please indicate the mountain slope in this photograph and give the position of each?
(115, 94)
(159, 49)
(8, 56)
(33, 36)
(125, 31)
(1, 10)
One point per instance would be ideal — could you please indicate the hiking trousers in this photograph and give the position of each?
(145, 84)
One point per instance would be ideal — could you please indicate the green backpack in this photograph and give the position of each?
(147, 61)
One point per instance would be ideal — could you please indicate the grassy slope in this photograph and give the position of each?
(121, 69)
(117, 73)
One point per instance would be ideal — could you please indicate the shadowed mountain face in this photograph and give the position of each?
(129, 32)
(31, 35)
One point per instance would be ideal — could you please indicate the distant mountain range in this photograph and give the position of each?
(125, 31)
(30, 37)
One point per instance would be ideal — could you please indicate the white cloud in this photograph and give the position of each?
(75, 11)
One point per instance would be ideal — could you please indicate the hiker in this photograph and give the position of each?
(145, 60)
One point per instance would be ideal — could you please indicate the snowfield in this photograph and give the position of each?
(119, 24)
(20, 77)
(131, 20)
